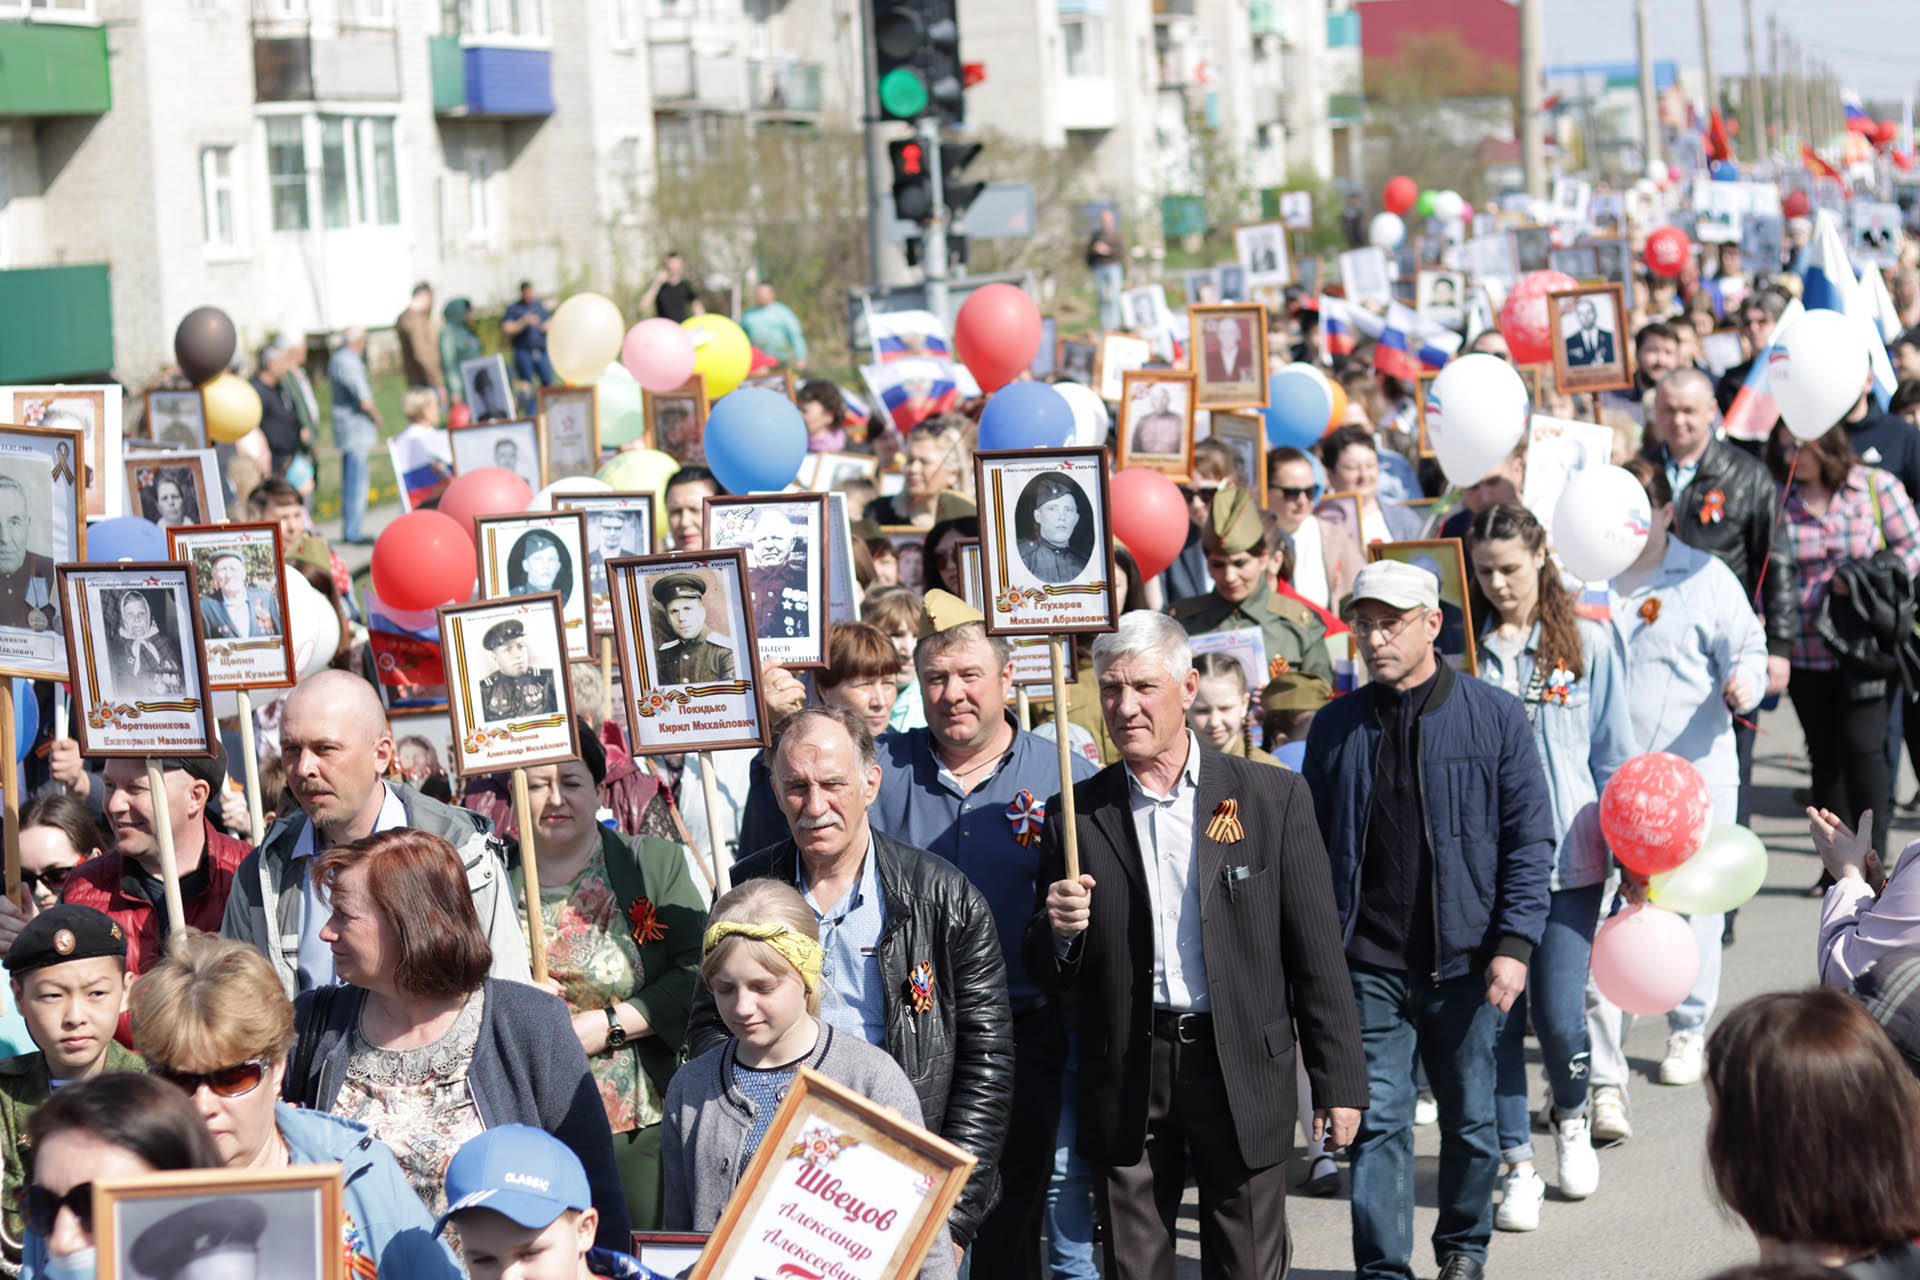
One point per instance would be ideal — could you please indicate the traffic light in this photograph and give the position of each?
(917, 58)
(912, 183)
(959, 196)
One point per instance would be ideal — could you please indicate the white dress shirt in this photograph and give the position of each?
(316, 955)
(1165, 827)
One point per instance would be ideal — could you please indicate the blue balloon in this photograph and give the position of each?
(26, 716)
(1298, 406)
(756, 440)
(125, 538)
(1026, 415)
(1724, 171)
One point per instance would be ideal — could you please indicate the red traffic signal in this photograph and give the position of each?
(972, 73)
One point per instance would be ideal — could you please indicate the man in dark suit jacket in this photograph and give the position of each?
(1210, 935)
(1589, 344)
(238, 611)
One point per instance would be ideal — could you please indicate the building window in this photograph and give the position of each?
(361, 177)
(626, 22)
(511, 19)
(479, 195)
(335, 193)
(219, 198)
(364, 13)
(70, 10)
(1084, 40)
(385, 170)
(287, 172)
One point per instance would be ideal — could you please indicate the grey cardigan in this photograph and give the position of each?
(703, 1135)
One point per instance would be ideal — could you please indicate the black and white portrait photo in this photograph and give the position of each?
(1146, 310)
(1762, 243)
(139, 680)
(513, 446)
(1366, 276)
(685, 645)
(533, 553)
(1120, 353)
(570, 431)
(1201, 286)
(177, 418)
(234, 1224)
(1589, 345)
(785, 541)
(1441, 296)
(1229, 355)
(1230, 280)
(686, 649)
(40, 527)
(1590, 342)
(175, 488)
(1262, 250)
(1053, 533)
(506, 666)
(520, 684)
(143, 629)
(1156, 420)
(1046, 540)
(489, 391)
(1532, 248)
(1296, 210)
(618, 525)
(237, 572)
(1076, 360)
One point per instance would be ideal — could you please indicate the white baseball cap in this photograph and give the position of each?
(1404, 586)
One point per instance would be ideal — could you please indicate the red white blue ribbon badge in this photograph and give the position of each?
(1025, 815)
(920, 987)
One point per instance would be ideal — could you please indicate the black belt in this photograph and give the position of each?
(1185, 1028)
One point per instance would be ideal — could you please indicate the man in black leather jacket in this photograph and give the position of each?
(934, 984)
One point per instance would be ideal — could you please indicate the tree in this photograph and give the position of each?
(1430, 108)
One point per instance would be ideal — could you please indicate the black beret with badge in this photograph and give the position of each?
(63, 932)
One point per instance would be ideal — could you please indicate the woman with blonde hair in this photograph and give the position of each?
(937, 459)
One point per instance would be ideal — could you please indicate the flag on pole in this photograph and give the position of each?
(1436, 345)
(902, 335)
(1831, 285)
(911, 391)
(1752, 414)
(1850, 103)
(1395, 355)
(1337, 337)
(1811, 159)
(1879, 303)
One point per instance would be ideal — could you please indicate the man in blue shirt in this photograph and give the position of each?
(771, 326)
(973, 787)
(356, 429)
(526, 323)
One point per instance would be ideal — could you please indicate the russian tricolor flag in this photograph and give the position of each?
(1850, 103)
(902, 335)
(1752, 414)
(1830, 284)
(1437, 344)
(1395, 355)
(1337, 337)
(912, 390)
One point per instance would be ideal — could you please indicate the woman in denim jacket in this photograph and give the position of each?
(1570, 674)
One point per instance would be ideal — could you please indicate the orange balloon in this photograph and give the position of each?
(1339, 405)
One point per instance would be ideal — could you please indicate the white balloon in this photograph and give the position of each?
(1476, 414)
(543, 500)
(1601, 523)
(1448, 206)
(1386, 231)
(1817, 370)
(313, 623)
(1090, 417)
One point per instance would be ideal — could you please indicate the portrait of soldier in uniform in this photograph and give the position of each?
(26, 577)
(777, 576)
(1046, 539)
(688, 655)
(516, 687)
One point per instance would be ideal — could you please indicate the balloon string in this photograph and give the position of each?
(1780, 515)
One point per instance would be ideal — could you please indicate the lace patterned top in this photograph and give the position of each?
(417, 1101)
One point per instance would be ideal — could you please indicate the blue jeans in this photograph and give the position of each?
(1450, 1026)
(1556, 992)
(533, 367)
(354, 480)
(1108, 280)
(1070, 1193)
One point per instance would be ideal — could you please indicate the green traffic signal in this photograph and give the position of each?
(903, 94)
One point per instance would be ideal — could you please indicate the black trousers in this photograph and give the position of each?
(1243, 1211)
(1008, 1242)
(1846, 748)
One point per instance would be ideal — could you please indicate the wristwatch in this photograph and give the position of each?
(616, 1034)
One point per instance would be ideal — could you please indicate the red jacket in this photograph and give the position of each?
(97, 883)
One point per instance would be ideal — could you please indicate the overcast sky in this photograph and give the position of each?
(1874, 45)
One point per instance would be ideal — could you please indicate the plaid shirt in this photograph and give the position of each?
(1848, 531)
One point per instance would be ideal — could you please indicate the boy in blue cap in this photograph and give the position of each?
(520, 1201)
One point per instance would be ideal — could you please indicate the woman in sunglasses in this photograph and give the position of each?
(213, 1019)
(119, 1125)
(57, 834)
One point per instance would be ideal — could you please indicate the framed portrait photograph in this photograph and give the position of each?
(507, 686)
(1230, 284)
(1532, 248)
(489, 389)
(513, 445)
(243, 602)
(1490, 257)
(669, 1253)
(842, 598)
(909, 543)
(177, 418)
(1262, 249)
(826, 470)
(95, 412)
(1156, 420)
(1763, 239)
(221, 1222)
(1613, 262)
(139, 671)
(1246, 435)
(685, 647)
(780, 380)
(1046, 541)
(1119, 355)
(41, 525)
(423, 744)
(618, 525)
(1076, 359)
(1229, 355)
(1421, 387)
(1441, 295)
(570, 431)
(175, 487)
(1442, 557)
(1367, 276)
(1296, 210)
(1201, 285)
(1144, 309)
(677, 420)
(827, 1141)
(534, 553)
(1032, 664)
(1578, 261)
(784, 538)
(1339, 517)
(1591, 346)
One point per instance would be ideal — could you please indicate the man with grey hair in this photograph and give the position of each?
(356, 429)
(1197, 935)
(278, 421)
(911, 955)
(27, 595)
(973, 787)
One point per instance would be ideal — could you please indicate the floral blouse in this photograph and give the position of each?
(592, 955)
(417, 1101)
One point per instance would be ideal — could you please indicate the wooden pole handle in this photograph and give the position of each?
(1069, 832)
(530, 876)
(169, 864)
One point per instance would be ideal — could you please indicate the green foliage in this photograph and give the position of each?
(388, 388)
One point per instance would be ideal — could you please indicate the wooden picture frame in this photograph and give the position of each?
(1596, 357)
(1078, 359)
(1215, 385)
(716, 708)
(138, 691)
(792, 593)
(1037, 586)
(293, 1214)
(1421, 386)
(44, 464)
(1456, 641)
(176, 402)
(780, 380)
(1246, 435)
(1261, 247)
(678, 438)
(508, 719)
(827, 1141)
(97, 413)
(642, 512)
(477, 445)
(1140, 411)
(669, 1253)
(821, 471)
(506, 546)
(235, 661)
(578, 451)
(1032, 661)
(1339, 516)
(194, 475)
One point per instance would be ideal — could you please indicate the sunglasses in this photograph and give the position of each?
(1292, 495)
(52, 877)
(1203, 492)
(226, 1082)
(43, 1207)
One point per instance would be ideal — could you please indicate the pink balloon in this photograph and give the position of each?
(659, 354)
(1645, 959)
(1150, 516)
(1655, 812)
(996, 334)
(1523, 316)
(490, 491)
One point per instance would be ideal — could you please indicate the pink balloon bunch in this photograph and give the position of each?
(659, 354)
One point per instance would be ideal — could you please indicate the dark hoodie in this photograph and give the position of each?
(458, 343)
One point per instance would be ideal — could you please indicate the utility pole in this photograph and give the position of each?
(933, 236)
(870, 138)
(1706, 62)
(1782, 100)
(1533, 152)
(1756, 127)
(1649, 114)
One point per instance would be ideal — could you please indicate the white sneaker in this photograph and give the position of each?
(1579, 1167)
(1686, 1059)
(1608, 1113)
(1521, 1192)
(1425, 1109)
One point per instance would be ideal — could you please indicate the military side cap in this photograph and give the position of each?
(1295, 691)
(1049, 487)
(1233, 524)
(503, 633)
(214, 1238)
(311, 549)
(679, 586)
(953, 506)
(943, 611)
(63, 932)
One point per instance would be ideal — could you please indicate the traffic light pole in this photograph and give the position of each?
(870, 139)
(933, 242)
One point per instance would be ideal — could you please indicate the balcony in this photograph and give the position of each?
(685, 79)
(783, 87)
(1266, 18)
(53, 69)
(1346, 108)
(294, 63)
(1343, 30)
(55, 322)
(481, 81)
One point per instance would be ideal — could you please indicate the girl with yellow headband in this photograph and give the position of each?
(762, 962)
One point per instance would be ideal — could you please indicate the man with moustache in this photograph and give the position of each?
(26, 579)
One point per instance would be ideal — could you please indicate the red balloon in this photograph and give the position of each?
(997, 334)
(1886, 132)
(1400, 194)
(1150, 516)
(1523, 316)
(1667, 252)
(1655, 812)
(1795, 204)
(423, 560)
(490, 491)
(459, 416)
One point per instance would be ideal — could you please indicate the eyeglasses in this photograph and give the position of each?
(226, 1082)
(52, 877)
(1203, 492)
(1379, 630)
(43, 1207)
(1298, 495)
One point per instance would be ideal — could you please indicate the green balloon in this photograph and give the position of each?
(623, 417)
(1424, 205)
(1729, 868)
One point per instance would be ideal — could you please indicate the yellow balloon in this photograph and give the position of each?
(584, 337)
(643, 471)
(721, 352)
(233, 407)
